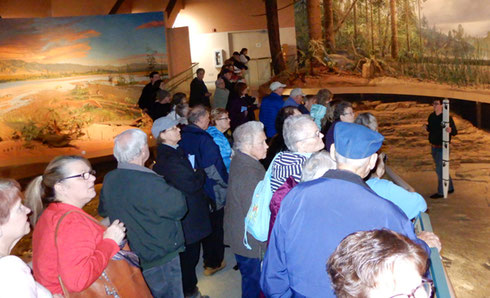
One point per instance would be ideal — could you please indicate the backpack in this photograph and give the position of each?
(259, 214)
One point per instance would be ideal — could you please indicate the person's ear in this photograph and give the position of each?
(372, 161)
(58, 187)
(332, 152)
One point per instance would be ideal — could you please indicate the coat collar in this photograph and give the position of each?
(347, 176)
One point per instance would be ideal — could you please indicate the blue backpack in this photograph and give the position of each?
(259, 213)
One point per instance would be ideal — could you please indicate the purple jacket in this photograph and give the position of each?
(276, 200)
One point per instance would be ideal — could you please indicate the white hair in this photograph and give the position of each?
(355, 163)
(128, 144)
(317, 165)
(293, 130)
(245, 134)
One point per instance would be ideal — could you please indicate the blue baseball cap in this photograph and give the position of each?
(356, 141)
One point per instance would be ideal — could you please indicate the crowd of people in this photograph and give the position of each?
(335, 226)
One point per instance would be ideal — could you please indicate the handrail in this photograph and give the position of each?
(442, 284)
(180, 78)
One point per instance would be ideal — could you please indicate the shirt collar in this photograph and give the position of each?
(134, 167)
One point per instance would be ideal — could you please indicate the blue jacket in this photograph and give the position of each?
(411, 203)
(271, 104)
(223, 144)
(314, 217)
(196, 141)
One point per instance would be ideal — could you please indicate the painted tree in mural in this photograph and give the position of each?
(314, 19)
(328, 24)
(394, 30)
(273, 30)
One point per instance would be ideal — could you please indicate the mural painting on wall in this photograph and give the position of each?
(61, 76)
(446, 42)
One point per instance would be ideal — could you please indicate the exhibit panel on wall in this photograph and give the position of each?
(60, 78)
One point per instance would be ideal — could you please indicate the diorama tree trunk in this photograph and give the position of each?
(394, 30)
(420, 29)
(274, 41)
(355, 23)
(372, 25)
(314, 19)
(328, 24)
(407, 20)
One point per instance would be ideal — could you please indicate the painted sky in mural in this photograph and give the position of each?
(448, 14)
(92, 40)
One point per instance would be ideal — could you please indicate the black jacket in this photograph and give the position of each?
(176, 169)
(147, 96)
(198, 93)
(434, 127)
(151, 210)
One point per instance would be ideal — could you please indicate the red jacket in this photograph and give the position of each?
(82, 254)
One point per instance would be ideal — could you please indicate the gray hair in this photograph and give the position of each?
(128, 144)
(367, 119)
(293, 130)
(196, 113)
(317, 165)
(245, 134)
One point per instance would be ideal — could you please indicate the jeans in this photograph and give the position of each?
(437, 156)
(212, 246)
(165, 280)
(250, 271)
(188, 262)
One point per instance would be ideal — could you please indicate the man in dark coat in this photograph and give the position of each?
(148, 93)
(151, 211)
(199, 146)
(199, 92)
(434, 127)
(316, 215)
(174, 166)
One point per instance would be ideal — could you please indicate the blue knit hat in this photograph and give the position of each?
(356, 141)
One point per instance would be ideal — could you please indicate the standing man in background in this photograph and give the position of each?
(269, 108)
(435, 126)
(148, 93)
(199, 92)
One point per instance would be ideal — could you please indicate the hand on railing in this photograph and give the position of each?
(431, 239)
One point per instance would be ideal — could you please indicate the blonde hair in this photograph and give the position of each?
(215, 115)
(40, 191)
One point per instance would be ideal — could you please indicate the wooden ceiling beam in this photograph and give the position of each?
(116, 6)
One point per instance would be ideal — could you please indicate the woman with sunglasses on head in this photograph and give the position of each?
(379, 263)
(15, 276)
(67, 243)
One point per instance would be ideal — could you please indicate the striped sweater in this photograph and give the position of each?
(285, 165)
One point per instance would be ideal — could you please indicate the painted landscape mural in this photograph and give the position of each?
(442, 41)
(61, 78)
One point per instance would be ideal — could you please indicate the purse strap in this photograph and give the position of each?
(66, 293)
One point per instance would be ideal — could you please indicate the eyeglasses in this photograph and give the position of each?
(226, 118)
(84, 175)
(318, 134)
(421, 291)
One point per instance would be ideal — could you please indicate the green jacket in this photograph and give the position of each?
(150, 209)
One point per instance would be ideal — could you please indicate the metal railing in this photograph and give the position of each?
(442, 284)
(181, 81)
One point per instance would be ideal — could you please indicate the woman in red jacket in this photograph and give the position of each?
(82, 248)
